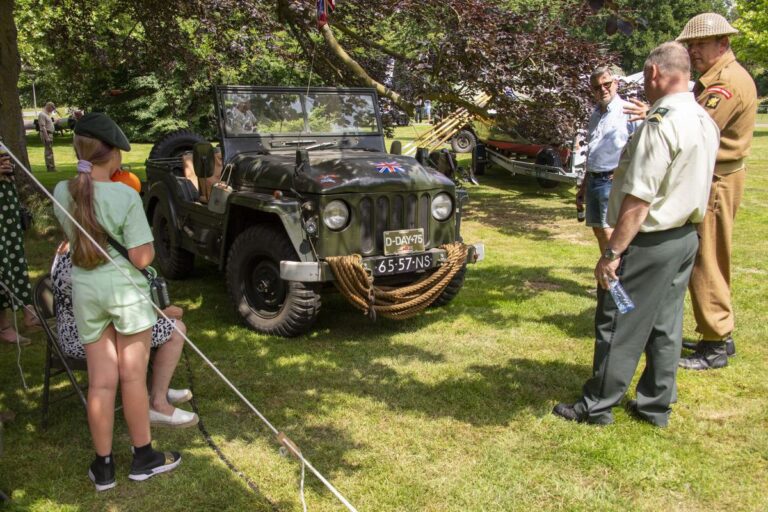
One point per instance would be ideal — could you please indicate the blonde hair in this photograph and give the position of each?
(84, 253)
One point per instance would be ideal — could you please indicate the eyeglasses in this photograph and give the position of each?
(604, 85)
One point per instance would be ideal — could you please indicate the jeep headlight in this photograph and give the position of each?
(336, 215)
(442, 206)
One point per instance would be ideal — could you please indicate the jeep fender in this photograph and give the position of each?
(158, 196)
(285, 211)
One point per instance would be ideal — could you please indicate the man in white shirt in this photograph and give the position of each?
(45, 124)
(609, 130)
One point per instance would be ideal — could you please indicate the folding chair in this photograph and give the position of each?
(56, 362)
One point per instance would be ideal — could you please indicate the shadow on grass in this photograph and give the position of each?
(509, 204)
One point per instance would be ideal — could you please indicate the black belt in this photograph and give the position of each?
(602, 173)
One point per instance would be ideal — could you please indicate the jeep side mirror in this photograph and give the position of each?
(203, 159)
(396, 148)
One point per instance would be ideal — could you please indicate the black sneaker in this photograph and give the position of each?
(102, 475)
(160, 463)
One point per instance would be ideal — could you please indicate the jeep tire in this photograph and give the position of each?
(267, 303)
(452, 289)
(174, 144)
(173, 261)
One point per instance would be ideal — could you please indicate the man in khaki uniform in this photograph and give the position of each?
(727, 92)
(45, 123)
(659, 194)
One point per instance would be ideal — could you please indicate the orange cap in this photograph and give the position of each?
(128, 178)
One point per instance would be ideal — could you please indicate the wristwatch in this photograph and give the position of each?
(611, 255)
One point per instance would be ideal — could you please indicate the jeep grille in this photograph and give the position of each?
(384, 213)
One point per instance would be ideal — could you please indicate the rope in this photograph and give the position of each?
(397, 303)
(281, 437)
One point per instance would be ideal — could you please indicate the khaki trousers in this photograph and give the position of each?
(48, 145)
(710, 284)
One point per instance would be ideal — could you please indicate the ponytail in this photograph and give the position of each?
(84, 253)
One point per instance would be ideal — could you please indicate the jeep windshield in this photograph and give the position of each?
(258, 113)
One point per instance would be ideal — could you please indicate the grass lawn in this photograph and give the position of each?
(449, 411)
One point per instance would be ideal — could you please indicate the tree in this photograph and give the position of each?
(752, 44)
(655, 21)
(11, 120)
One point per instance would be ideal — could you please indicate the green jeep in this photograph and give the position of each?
(303, 177)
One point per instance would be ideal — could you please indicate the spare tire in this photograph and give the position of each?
(463, 142)
(175, 143)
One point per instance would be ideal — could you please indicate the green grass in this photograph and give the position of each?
(449, 411)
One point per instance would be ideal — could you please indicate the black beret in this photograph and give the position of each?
(101, 127)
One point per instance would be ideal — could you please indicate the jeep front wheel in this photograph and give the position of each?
(267, 303)
(173, 261)
(451, 289)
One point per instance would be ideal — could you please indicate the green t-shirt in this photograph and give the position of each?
(118, 209)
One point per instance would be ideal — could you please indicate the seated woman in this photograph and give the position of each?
(165, 338)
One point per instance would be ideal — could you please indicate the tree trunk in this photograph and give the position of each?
(11, 120)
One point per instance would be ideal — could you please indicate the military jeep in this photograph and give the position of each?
(305, 177)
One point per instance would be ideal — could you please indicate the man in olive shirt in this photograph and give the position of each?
(727, 92)
(45, 124)
(659, 193)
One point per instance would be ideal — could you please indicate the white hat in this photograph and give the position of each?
(704, 25)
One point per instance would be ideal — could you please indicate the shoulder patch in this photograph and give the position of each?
(713, 101)
(657, 115)
(720, 90)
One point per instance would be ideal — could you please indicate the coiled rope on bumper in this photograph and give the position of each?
(356, 284)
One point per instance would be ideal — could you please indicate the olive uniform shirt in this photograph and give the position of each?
(650, 168)
(727, 92)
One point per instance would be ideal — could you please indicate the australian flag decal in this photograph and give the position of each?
(389, 168)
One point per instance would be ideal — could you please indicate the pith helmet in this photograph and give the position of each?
(708, 24)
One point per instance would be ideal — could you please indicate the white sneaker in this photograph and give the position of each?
(179, 419)
(179, 396)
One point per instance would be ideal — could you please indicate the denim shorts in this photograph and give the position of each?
(596, 197)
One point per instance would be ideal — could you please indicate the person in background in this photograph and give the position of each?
(609, 130)
(166, 338)
(113, 318)
(13, 261)
(428, 110)
(659, 194)
(418, 108)
(45, 123)
(728, 94)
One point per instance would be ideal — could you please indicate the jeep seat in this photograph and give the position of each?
(188, 190)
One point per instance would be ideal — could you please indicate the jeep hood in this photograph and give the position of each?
(338, 172)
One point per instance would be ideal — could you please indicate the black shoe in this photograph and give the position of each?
(160, 463)
(708, 356)
(730, 345)
(567, 412)
(102, 475)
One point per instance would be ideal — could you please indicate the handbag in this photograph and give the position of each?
(158, 287)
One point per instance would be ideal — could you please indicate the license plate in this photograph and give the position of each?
(402, 264)
(403, 241)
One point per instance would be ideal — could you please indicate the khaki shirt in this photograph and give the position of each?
(668, 163)
(727, 92)
(45, 122)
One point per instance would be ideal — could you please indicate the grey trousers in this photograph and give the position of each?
(50, 165)
(654, 271)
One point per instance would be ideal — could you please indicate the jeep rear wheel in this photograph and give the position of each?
(267, 303)
(452, 289)
(173, 261)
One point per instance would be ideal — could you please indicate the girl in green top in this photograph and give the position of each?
(114, 319)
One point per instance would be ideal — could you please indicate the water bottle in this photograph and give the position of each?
(580, 214)
(620, 297)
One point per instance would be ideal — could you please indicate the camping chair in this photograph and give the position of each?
(56, 362)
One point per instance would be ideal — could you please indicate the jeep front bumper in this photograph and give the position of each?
(320, 271)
